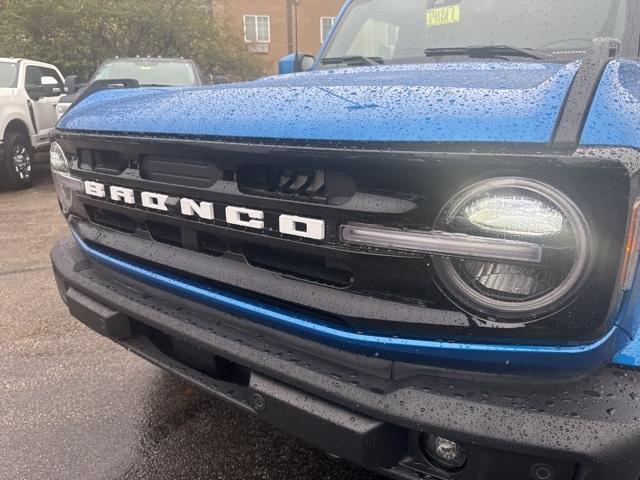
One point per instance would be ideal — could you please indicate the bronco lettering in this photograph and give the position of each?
(302, 227)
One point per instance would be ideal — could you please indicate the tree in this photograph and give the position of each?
(78, 35)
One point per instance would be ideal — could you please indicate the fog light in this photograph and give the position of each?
(444, 453)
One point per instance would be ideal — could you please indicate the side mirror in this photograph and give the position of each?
(50, 90)
(306, 62)
(295, 63)
(71, 84)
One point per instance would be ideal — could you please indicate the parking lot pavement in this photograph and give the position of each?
(76, 406)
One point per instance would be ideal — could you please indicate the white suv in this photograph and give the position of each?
(29, 93)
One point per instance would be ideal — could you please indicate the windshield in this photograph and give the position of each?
(149, 72)
(8, 75)
(397, 30)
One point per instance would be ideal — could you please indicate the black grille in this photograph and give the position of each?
(378, 186)
(307, 184)
(311, 268)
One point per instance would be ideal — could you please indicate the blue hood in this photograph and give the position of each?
(613, 119)
(457, 102)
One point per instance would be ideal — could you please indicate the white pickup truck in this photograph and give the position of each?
(29, 93)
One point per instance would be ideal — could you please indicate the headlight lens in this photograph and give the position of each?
(521, 210)
(61, 109)
(515, 215)
(59, 162)
(64, 182)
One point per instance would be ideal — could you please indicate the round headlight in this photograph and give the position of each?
(522, 210)
(65, 183)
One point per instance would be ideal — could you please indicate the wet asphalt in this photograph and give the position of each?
(74, 405)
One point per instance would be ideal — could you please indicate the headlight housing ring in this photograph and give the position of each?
(519, 209)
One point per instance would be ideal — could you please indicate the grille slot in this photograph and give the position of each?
(164, 233)
(185, 172)
(107, 218)
(306, 267)
(310, 184)
(102, 161)
(211, 245)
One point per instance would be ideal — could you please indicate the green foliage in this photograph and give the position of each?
(77, 35)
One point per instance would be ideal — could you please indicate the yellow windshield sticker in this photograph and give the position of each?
(443, 15)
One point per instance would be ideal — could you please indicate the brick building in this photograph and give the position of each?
(269, 26)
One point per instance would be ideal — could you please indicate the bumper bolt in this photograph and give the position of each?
(259, 403)
(542, 471)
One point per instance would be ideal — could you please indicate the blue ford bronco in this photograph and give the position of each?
(417, 251)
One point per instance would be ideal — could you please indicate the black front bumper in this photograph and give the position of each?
(364, 409)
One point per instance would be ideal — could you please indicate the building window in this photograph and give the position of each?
(257, 29)
(326, 23)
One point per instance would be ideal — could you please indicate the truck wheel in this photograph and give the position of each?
(17, 162)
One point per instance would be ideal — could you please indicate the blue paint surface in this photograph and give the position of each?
(614, 118)
(629, 319)
(630, 355)
(470, 355)
(453, 102)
